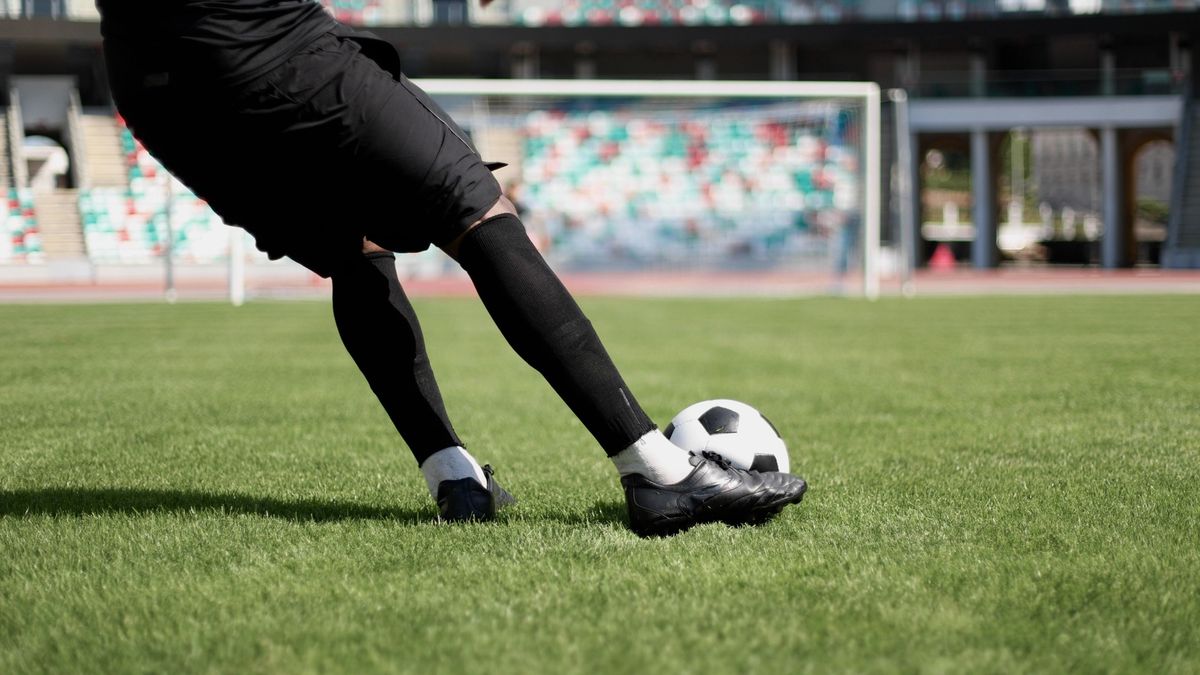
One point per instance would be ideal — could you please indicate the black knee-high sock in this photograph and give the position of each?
(542, 323)
(380, 330)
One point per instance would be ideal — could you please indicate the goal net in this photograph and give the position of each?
(673, 176)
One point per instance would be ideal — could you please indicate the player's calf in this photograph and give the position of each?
(544, 325)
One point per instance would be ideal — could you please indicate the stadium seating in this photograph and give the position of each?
(605, 185)
(617, 185)
(640, 12)
(358, 12)
(19, 238)
(129, 225)
(379, 12)
(745, 12)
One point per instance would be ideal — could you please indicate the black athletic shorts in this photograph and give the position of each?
(332, 146)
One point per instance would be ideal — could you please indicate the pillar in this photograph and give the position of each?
(1112, 243)
(7, 58)
(978, 75)
(524, 61)
(1108, 72)
(983, 202)
(911, 217)
(585, 61)
(908, 67)
(705, 53)
(783, 60)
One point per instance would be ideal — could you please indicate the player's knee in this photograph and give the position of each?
(371, 247)
(501, 207)
(352, 270)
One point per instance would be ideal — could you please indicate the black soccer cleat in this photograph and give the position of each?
(466, 500)
(714, 491)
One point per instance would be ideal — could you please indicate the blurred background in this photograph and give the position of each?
(1022, 143)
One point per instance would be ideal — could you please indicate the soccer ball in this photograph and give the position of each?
(733, 430)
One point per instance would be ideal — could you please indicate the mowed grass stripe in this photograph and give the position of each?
(998, 485)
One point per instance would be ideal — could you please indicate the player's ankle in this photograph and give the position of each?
(654, 457)
(452, 463)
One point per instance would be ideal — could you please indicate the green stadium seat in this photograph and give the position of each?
(612, 184)
(129, 224)
(20, 239)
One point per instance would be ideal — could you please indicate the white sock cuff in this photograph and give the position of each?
(648, 440)
(452, 463)
(655, 457)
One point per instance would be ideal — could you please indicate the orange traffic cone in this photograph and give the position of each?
(942, 259)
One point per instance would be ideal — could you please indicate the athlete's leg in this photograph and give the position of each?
(380, 330)
(545, 326)
(666, 490)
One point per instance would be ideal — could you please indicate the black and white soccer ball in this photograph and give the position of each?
(732, 429)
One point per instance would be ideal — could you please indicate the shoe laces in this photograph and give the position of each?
(716, 459)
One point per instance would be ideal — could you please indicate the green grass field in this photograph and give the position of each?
(997, 485)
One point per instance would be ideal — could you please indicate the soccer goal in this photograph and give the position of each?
(677, 176)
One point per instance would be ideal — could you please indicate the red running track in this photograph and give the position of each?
(212, 285)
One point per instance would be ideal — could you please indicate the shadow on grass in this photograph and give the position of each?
(602, 512)
(133, 501)
(96, 501)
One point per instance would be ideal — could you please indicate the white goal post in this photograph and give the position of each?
(865, 95)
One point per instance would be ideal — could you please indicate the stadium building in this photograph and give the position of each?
(1032, 131)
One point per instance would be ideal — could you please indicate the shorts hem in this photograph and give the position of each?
(463, 225)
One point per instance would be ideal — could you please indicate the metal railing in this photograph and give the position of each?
(1025, 83)
(16, 140)
(76, 143)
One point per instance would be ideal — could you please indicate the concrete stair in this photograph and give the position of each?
(59, 224)
(105, 159)
(501, 145)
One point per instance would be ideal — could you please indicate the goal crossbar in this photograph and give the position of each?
(665, 88)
